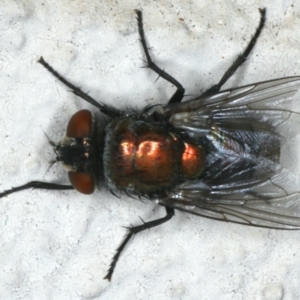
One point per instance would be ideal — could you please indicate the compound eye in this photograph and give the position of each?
(82, 182)
(80, 124)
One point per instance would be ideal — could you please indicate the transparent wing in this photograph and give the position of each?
(267, 104)
(263, 204)
(256, 95)
(244, 182)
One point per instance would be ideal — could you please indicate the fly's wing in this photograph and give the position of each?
(268, 198)
(255, 203)
(266, 104)
(256, 95)
(265, 200)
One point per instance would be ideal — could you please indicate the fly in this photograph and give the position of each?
(215, 156)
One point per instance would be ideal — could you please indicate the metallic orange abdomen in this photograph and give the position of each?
(142, 158)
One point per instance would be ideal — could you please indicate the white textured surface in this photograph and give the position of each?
(58, 245)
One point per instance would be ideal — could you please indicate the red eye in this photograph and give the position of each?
(80, 124)
(82, 182)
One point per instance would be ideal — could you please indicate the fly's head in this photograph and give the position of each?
(76, 151)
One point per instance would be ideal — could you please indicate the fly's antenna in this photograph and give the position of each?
(54, 146)
(49, 140)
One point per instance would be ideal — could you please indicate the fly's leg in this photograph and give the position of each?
(131, 232)
(178, 95)
(241, 58)
(37, 185)
(108, 110)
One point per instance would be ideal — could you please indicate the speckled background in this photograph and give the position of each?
(58, 245)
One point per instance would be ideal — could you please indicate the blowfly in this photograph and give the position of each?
(215, 156)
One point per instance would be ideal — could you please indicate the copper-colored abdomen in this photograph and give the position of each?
(142, 158)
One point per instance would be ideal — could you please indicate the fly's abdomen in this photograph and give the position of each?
(140, 157)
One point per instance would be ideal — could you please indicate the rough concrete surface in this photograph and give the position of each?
(58, 245)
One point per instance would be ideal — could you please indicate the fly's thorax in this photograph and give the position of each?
(142, 157)
(78, 151)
